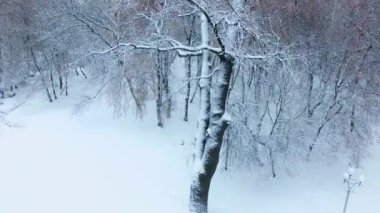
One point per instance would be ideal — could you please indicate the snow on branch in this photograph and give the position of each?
(170, 48)
(182, 50)
(209, 20)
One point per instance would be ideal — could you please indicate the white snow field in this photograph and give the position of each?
(57, 162)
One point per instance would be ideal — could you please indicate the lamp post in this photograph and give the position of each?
(351, 182)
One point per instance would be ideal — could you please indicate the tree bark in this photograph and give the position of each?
(66, 85)
(188, 89)
(41, 74)
(159, 90)
(165, 83)
(53, 84)
(207, 164)
(60, 80)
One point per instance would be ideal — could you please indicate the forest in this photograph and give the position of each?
(276, 85)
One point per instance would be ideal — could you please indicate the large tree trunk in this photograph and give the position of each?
(209, 157)
(209, 143)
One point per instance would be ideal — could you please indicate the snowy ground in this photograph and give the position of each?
(92, 163)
